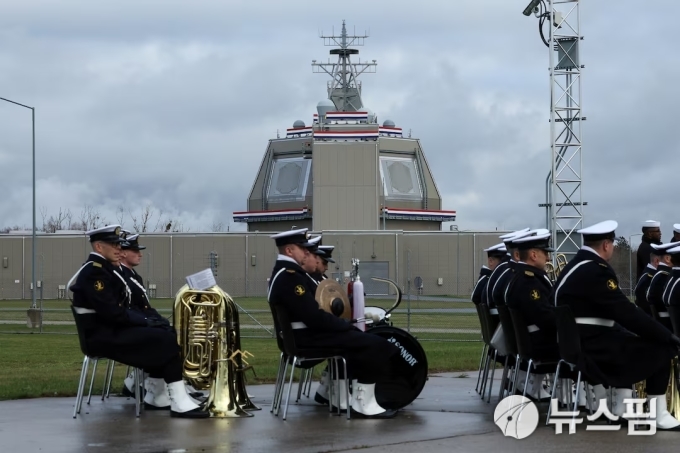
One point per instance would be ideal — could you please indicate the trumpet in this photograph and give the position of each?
(554, 272)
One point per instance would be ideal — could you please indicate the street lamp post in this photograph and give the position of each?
(630, 261)
(33, 249)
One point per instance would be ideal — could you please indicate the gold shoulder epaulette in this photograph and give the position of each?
(292, 271)
(649, 275)
(529, 273)
(96, 264)
(602, 264)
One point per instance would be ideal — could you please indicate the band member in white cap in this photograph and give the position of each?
(528, 291)
(501, 276)
(642, 285)
(676, 232)
(671, 295)
(651, 234)
(368, 356)
(620, 345)
(494, 255)
(487, 293)
(658, 283)
(101, 297)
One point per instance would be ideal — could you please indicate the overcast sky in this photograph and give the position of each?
(171, 103)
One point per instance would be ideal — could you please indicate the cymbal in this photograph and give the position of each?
(332, 298)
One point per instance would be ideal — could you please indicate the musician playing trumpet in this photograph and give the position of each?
(368, 356)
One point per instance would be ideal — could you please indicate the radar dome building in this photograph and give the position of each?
(345, 170)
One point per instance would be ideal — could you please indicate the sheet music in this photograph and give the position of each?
(201, 280)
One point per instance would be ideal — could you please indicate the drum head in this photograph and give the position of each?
(409, 369)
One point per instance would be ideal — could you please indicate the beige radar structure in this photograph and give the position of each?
(345, 170)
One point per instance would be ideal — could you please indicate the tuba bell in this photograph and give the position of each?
(209, 337)
(553, 271)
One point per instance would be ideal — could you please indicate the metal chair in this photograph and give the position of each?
(83, 318)
(285, 360)
(525, 347)
(486, 338)
(511, 347)
(569, 344)
(300, 356)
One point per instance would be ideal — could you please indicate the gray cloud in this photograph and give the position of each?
(172, 103)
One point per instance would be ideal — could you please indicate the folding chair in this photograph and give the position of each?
(300, 356)
(82, 318)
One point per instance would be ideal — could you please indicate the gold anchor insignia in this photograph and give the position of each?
(299, 290)
(98, 285)
(611, 284)
(535, 295)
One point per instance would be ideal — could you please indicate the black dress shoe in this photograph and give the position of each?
(320, 399)
(195, 413)
(151, 407)
(126, 392)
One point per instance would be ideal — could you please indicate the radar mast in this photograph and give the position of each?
(345, 88)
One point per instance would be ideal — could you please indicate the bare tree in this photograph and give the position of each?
(141, 221)
(120, 214)
(217, 226)
(60, 222)
(90, 218)
(7, 229)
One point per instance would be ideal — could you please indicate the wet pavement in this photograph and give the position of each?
(448, 416)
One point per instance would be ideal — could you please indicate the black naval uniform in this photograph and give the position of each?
(671, 295)
(118, 333)
(643, 252)
(139, 299)
(658, 285)
(493, 278)
(634, 348)
(529, 292)
(642, 287)
(368, 356)
(501, 285)
(478, 290)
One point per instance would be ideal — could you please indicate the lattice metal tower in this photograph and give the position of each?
(564, 201)
(345, 88)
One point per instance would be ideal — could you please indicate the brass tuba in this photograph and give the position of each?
(209, 337)
(554, 272)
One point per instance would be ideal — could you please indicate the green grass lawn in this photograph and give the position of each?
(49, 365)
(35, 365)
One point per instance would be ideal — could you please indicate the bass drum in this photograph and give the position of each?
(409, 369)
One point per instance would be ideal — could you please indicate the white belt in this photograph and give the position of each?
(533, 328)
(595, 322)
(83, 311)
(298, 325)
(663, 314)
(493, 311)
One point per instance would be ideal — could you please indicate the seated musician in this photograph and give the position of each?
(495, 287)
(529, 293)
(621, 345)
(368, 356)
(657, 285)
(645, 280)
(494, 255)
(101, 298)
(671, 296)
(326, 257)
